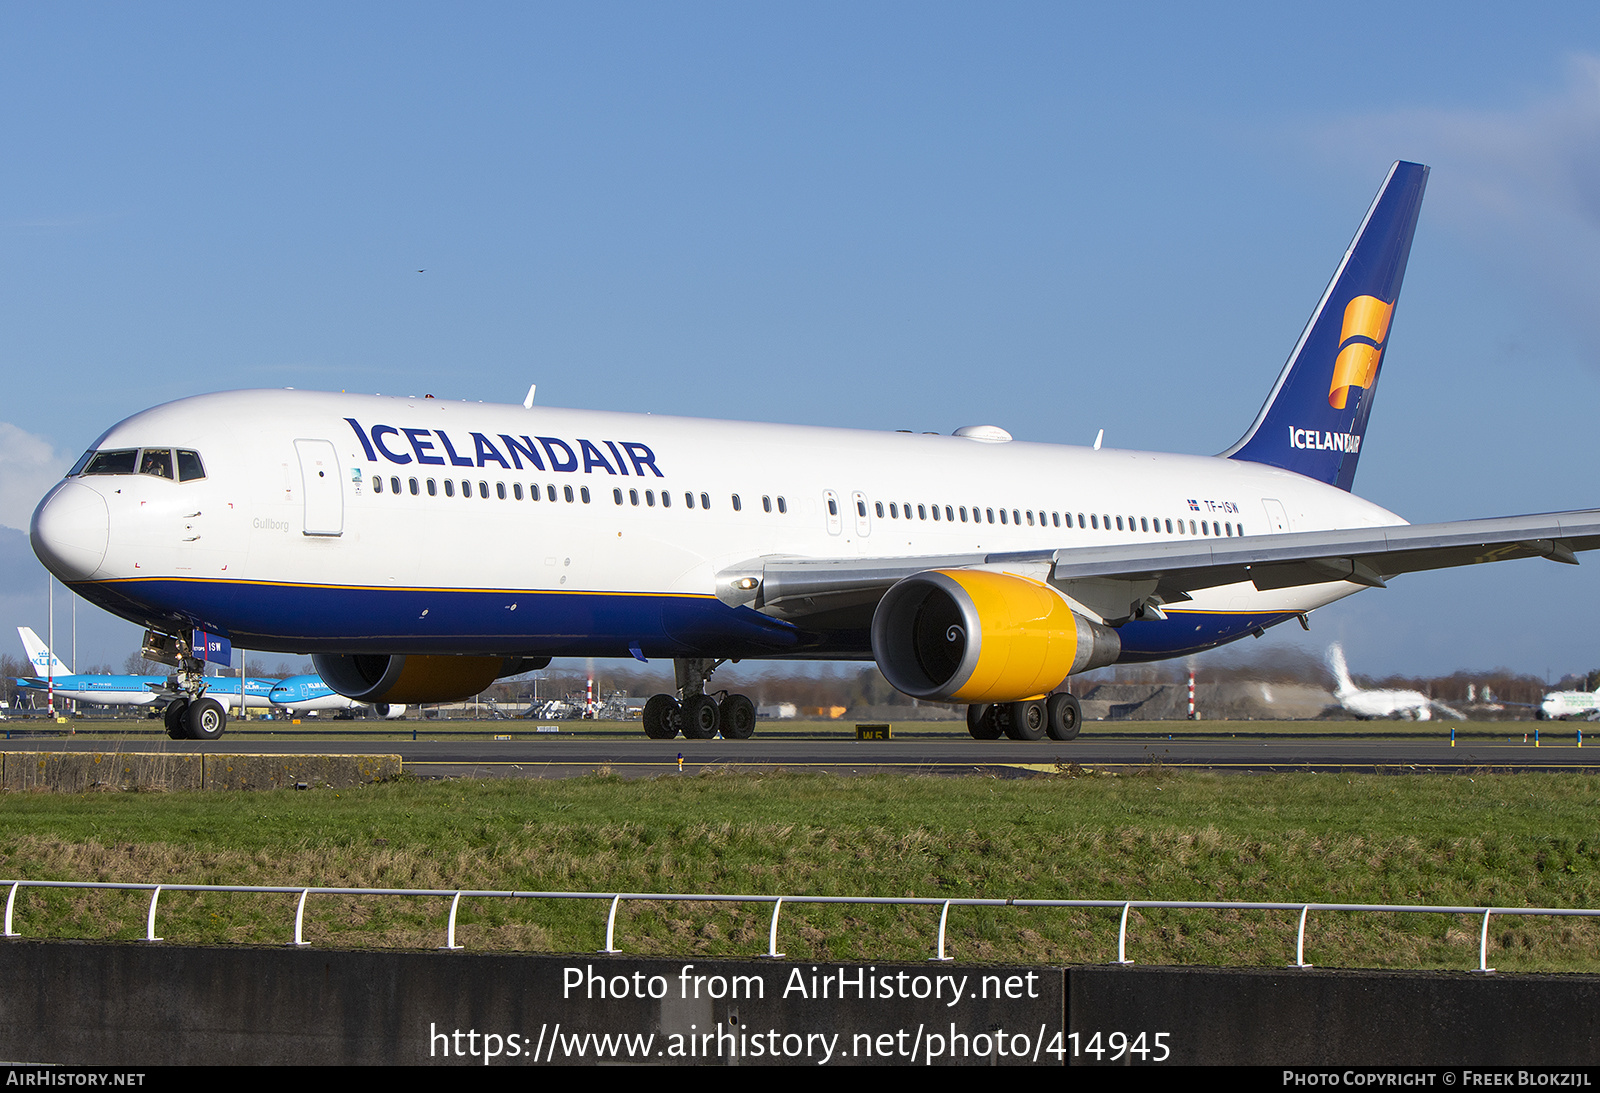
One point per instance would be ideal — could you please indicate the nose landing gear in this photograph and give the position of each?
(190, 715)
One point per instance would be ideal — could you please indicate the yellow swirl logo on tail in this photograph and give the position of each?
(1366, 325)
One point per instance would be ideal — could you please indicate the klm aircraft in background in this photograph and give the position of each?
(309, 694)
(53, 677)
(419, 549)
(100, 690)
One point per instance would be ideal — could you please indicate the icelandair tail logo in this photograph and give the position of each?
(1366, 325)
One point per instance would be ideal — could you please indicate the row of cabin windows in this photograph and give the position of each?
(896, 510)
(649, 498)
(432, 487)
(688, 500)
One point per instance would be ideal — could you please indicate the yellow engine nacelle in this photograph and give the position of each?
(970, 635)
(379, 678)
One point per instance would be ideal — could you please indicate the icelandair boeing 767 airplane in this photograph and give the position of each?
(421, 548)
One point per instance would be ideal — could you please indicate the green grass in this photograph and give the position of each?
(1518, 840)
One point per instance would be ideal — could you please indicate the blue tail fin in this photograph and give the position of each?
(1315, 418)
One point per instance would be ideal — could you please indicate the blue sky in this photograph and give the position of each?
(1056, 218)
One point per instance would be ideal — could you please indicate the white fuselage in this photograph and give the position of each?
(345, 496)
(1562, 704)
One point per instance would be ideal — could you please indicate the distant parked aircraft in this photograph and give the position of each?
(102, 690)
(309, 694)
(1410, 705)
(1560, 705)
(112, 690)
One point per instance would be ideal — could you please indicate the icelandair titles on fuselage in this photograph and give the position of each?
(434, 447)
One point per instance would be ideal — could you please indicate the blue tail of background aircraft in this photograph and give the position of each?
(1314, 420)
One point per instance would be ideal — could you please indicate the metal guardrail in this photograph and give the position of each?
(616, 898)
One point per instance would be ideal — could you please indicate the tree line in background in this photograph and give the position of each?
(855, 686)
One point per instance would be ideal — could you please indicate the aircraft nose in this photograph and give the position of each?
(70, 530)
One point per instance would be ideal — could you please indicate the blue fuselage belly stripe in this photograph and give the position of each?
(395, 620)
(1182, 634)
(399, 620)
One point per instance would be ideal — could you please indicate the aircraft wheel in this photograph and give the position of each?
(738, 715)
(1027, 721)
(981, 721)
(700, 718)
(1064, 717)
(206, 719)
(177, 724)
(661, 717)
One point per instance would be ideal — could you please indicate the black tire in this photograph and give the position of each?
(176, 721)
(1064, 717)
(700, 718)
(206, 719)
(738, 716)
(661, 717)
(981, 722)
(1027, 721)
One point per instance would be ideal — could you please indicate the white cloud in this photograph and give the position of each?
(1522, 183)
(29, 466)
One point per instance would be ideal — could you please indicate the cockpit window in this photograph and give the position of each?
(157, 462)
(117, 461)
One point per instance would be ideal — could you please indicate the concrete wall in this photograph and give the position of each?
(138, 1004)
(76, 772)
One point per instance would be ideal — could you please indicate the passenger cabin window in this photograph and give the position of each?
(449, 487)
(736, 505)
(783, 506)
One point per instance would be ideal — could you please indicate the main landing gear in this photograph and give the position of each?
(1058, 717)
(699, 716)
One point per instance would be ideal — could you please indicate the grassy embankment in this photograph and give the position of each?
(1522, 840)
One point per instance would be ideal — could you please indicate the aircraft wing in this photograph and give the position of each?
(1128, 580)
